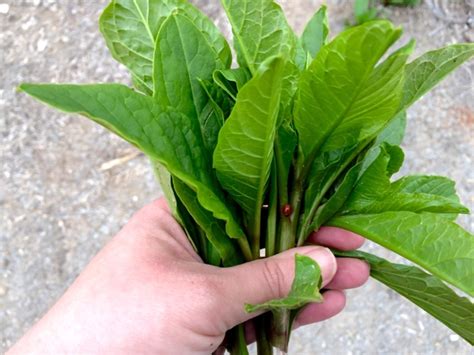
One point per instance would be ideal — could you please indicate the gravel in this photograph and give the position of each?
(63, 194)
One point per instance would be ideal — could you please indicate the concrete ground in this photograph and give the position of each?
(63, 194)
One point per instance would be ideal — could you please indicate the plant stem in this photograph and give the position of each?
(289, 224)
(270, 240)
(281, 320)
(284, 238)
(264, 346)
(280, 329)
(237, 343)
(245, 248)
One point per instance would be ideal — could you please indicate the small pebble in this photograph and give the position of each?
(41, 45)
(3, 290)
(4, 8)
(454, 337)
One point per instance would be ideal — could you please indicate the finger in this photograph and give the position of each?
(334, 302)
(266, 279)
(351, 273)
(162, 203)
(336, 238)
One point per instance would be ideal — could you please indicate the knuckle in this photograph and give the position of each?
(152, 211)
(275, 278)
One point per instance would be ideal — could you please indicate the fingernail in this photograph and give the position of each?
(326, 261)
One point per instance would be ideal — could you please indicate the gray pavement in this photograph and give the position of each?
(63, 194)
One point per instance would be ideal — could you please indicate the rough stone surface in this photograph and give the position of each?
(59, 203)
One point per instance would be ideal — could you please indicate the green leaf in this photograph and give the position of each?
(232, 80)
(193, 232)
(213, 228)
(429, 69)
(323, 174)
(410, 193)
(332, 206)
(288, 91)
(361, 7)
(374, 193)
(183, 56)
(218, 98)
(424, 290)
(394, 132)
(341, 88)
(285, 145)
(244, 151)
(316, 32)
(130, 28)
(305, 288)
(364, 11)
(302, 58)
(163, 134)
(432, 185)
(419, 186)
(212, 116)
(164, 178)
(260, 31)
(433, 242)
(328, 165)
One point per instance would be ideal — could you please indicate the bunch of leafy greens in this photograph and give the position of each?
(303, 133)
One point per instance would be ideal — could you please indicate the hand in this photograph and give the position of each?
(148, 292)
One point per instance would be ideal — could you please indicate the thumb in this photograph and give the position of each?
(266, 279)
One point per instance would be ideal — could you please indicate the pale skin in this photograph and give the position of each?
(148, 292)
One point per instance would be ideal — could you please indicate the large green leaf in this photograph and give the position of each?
(244, 151)
(433, 242)
(425, 290)
(163, 134)
(401, 217)
(374, 193)
(305, 288)
(214, 229)
(316, 32)
(130, 28)
(260, 31)
(356, 132)
(341, 98)
(429, 69)
(366, 188)
(183, 57)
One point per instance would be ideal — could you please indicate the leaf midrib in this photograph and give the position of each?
(145, 22)
(237, 36)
